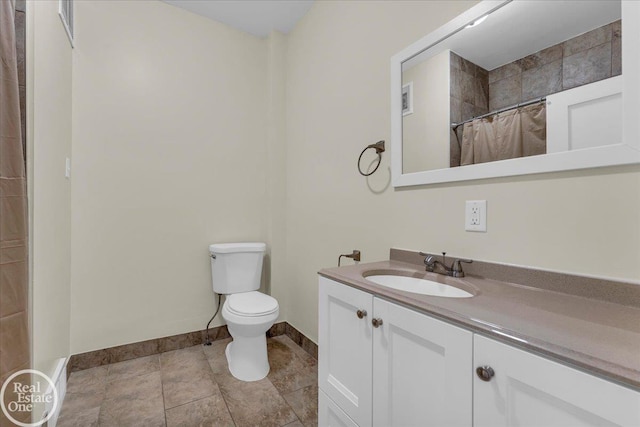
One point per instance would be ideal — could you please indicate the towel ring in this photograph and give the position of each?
(379, 147)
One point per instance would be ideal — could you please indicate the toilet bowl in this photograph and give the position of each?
(249, 316)
(236, 270)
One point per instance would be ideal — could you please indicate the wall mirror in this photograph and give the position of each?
(518, 87)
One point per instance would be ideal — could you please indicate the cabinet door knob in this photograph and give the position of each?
(361, 313)
(376, 322)
(485, 373)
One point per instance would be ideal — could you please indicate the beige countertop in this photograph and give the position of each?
(594, 335)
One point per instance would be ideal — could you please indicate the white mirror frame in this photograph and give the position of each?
(627, 152)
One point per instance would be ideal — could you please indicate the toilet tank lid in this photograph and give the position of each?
(228, 248)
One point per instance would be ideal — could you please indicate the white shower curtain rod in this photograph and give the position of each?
(511, 107)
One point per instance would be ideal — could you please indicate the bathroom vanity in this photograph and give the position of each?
(508, 355)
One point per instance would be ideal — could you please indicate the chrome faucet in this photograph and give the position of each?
(431, 262)
(455, 270)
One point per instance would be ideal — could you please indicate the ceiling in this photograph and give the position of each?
(257, 17)
(521, 28)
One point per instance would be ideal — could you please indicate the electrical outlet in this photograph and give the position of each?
(476, 215)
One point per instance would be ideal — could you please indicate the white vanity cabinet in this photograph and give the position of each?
(529, 390)
(344, 350)
(381, 364)
(329, 414)
(420, 369)
(386, 365)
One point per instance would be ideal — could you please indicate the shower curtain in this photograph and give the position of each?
(514, 133)
(14, 320)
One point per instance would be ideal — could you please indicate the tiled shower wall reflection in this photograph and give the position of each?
(469, 89)
(588, 58)
(468, 98)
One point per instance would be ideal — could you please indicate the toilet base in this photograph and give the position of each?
(247, 358)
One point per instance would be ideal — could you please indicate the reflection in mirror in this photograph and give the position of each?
(527, 81)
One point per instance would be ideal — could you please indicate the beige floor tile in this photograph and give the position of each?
(179, 359)
(305, 404)
(80, 418)
(179, 388)
(255, 403)
(135, 401)
(219, 366)
(289, 381)
(299, 351)
(88, 381)
(133, 368)
(291, 367)
(216, 356)
(216, 347)
(186, 376)
(210, 411)
(78, 402)
(282, 359)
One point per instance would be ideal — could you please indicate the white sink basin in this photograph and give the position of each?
(418, 286)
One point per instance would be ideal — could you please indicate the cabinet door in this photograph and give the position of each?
(329, 415)
(529, 390)
(422, 370)
(344, 348)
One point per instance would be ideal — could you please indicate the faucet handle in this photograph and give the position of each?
(456, 268)
(428, 261)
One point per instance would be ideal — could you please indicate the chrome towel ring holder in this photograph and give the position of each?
(379, 147)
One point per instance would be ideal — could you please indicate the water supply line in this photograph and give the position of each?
(207, 341)
(355, 255)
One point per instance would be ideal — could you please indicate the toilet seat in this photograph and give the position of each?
(251, 304)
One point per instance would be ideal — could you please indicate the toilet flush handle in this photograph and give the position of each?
(213, 256)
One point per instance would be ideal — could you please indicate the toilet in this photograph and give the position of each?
(236, 270)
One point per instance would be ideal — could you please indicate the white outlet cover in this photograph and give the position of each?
(475, 216)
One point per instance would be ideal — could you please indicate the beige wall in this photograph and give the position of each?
(49, 143)
(169, 149)
(276, 176)
(186, 132)
(425, 132)
(338, 101)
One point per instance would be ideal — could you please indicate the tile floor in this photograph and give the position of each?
(193, 387)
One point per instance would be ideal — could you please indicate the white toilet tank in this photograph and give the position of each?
(236, 267)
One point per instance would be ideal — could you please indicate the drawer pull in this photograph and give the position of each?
(361, 313)
(376, 322)
(485, 373)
